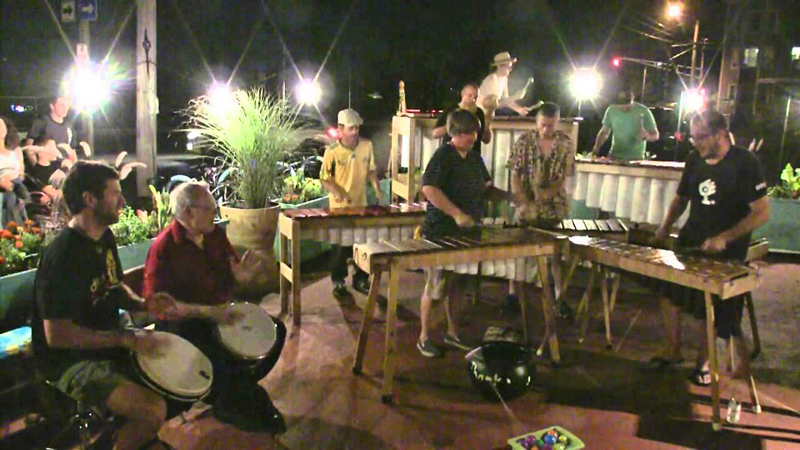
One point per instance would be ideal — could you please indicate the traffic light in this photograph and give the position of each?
(616, 62)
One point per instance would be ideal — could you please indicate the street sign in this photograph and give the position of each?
(88, 9)
(67, 11)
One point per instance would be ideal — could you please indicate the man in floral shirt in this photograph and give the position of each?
(541, 163)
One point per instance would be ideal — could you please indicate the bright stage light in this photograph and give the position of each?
(585, 84)
(695, 100)
(90, 87)
(308, 92)
(674, 10)
(220, 95)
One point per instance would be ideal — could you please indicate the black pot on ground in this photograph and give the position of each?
(501, 369)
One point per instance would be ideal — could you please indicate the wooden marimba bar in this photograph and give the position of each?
(713, 277)
(525, 247)
(340, 226)
(584, 226)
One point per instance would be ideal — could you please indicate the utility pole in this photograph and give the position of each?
(86, 118)
(694, 52)
(146, 99)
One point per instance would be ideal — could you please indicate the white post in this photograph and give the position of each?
(146, 99)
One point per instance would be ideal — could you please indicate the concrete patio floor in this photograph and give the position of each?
(600, 395)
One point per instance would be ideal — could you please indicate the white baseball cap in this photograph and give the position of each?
(349, 118)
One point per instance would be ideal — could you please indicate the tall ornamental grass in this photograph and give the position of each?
(253, 131)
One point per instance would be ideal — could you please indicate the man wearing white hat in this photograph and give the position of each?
(347, 165)
(493, 93)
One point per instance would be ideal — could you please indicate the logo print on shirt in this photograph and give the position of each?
(707, 189)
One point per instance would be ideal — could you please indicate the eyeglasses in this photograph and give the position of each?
(699, 137)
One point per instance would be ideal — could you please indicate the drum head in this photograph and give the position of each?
(252, 336)
(180, 371)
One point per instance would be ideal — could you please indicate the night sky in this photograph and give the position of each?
(435, 46)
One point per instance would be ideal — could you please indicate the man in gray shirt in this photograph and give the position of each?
(54, 126)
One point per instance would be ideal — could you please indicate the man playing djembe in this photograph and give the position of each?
(193, 261)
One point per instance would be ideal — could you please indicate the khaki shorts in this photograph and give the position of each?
(93, 381)
(437, 283)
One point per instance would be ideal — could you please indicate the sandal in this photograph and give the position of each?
(700, 377)
(657, 363)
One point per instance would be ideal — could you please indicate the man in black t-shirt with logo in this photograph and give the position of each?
(726, 187)
(456, 184)
(76, 326)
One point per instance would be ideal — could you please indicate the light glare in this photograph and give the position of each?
(585, 84)
(90, 88)
(674, 10)
(695, 100)
(308, 92)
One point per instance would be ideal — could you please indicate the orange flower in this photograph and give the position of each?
(28, 222)
(36, 230)
(11, 225)
(18, 244)
(294, 197)
(2, 260)
(6, 234)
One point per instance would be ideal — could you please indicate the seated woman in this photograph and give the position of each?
(46, 175)
(12, 171)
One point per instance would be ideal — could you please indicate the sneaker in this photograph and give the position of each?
(339, 288)
(457, 342)
(428, 350)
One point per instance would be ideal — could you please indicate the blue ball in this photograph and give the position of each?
(550, 439)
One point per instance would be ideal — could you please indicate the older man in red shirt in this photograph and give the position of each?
(193, 261)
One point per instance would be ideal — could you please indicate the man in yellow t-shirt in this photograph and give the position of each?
(346, 167)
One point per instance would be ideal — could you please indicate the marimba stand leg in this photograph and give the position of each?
(754, 396)
(296, 281)
(283, 266)
(711, 331)
(751, 312)
(523, 308)
(751, 381)
(615, 290)
(606, 309)
(390, 349)
(548, 305)
(565, 282)
(582, 314)
(366, 321)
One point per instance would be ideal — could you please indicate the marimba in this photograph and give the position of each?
(511, 253)
(637, 190)
(713, 277)
(584, 226)
(340, 226)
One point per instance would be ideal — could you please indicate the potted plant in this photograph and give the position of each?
(19, 248)
(301, 192)
(252, 131)
(784, 198)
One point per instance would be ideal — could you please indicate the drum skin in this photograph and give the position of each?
(179, 371)
(252, 337)
(501, 368)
